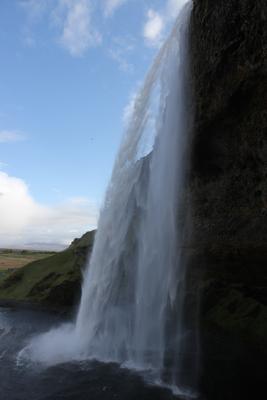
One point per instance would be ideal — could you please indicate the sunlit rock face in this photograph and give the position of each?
(229, 180)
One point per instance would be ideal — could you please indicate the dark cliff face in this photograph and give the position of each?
(229, 56)
(229, 177)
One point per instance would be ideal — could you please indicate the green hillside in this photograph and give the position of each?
(53, 281)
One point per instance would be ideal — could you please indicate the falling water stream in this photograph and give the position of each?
(135, 277)
(135, 267)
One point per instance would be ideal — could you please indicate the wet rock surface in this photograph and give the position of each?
(228, 188)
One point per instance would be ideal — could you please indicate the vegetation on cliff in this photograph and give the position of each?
(53, 281)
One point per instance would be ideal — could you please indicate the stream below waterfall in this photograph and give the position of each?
(91, 380)
(72, 380)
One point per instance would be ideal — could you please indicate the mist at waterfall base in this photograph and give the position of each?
(131, 309)
(81, 380)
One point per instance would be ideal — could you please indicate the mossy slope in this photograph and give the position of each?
(53, 281)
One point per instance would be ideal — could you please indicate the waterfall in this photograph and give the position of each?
(135, 268)
(133, 284)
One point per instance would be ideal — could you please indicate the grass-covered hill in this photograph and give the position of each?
(52, 281)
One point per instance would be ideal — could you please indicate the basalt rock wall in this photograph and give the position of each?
(228, 184)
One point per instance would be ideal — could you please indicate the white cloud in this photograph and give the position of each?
(26, 223)
(78, 33)
(75, 22)
(16, 205)
(73, 19)
(10, 136)
(111, 5)
(153, 28)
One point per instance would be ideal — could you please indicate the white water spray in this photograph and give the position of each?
(135, 274)
(134, 267)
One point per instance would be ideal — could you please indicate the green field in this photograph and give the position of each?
(44, 277)
(13, 259)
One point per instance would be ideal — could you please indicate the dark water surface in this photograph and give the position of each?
(232, 376)
(72, 381)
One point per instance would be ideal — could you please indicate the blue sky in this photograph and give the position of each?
(69, 69)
